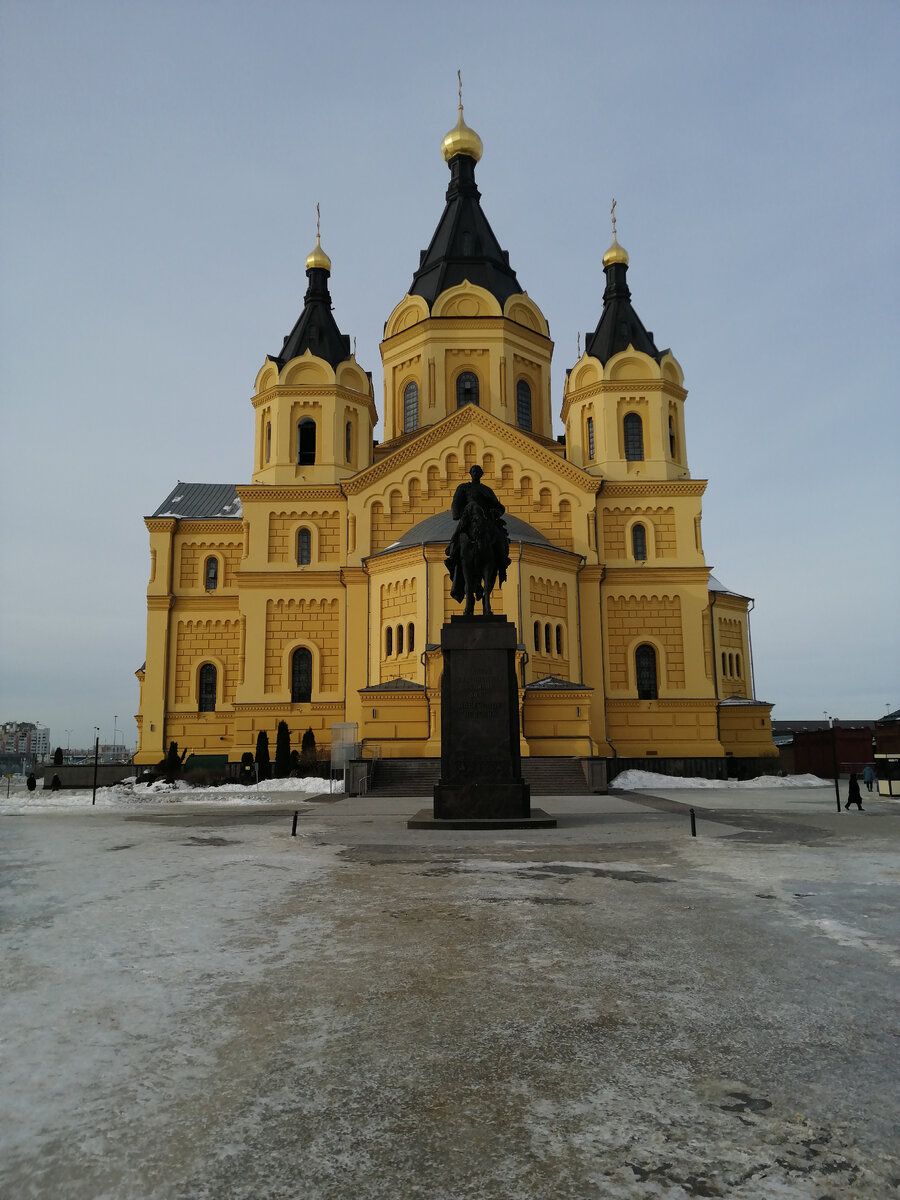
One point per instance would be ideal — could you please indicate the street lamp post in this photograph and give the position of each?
(834, 764)
(96, 760)
(68, 744)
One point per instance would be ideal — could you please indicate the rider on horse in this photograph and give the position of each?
(481, 496)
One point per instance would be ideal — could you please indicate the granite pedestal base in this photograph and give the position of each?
(481, 781)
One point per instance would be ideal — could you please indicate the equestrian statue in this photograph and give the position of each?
(478, 553)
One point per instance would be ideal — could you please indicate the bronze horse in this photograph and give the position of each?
(483, 547)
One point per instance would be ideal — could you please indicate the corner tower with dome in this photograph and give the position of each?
(316, 593)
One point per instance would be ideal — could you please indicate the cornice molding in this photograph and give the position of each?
(202, 603)
(315, 391)
(633, 705)
(160, 603)
(648, 488)
(655, 577)
(296, 578)
(263, 493)
(456, 424)
(618, 387)
(161, 524)
(229, 525)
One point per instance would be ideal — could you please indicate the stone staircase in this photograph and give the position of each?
(417, 777)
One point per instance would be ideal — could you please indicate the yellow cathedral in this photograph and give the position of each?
(316, 593)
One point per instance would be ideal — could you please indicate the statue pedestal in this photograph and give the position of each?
(481, 781)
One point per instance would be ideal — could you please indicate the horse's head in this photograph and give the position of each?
(473, 519)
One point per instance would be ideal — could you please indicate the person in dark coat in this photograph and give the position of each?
(31, 781)
(853, 796)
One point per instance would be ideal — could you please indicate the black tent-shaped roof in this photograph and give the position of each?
(464, 246)
(619, 326)
(316, 329)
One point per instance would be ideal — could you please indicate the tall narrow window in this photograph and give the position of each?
(737, 665)
(348, 442)
(559, 639)
(547, 639)
(399, 639)
(301, 676)
(410, 638)
(304, 547)
(306, 442)
(212, 574)
(268, 440)
(410, 407)
(466, 388)
(672, 437)
(724, 663)
(388, 641)
(590, 437)
(633, 429)
(523, 405)
(639, 543)
(645, 672)
(207, 688)
(731, 664)
(537, 635)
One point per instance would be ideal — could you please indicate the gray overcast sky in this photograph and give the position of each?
(162, 166)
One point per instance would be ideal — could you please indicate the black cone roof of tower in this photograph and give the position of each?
(316, 329)
(463, 246)
(619, 326)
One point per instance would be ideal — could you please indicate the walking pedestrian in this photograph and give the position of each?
(869, 777)
(853, 796)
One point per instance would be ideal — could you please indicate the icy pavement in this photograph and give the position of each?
(198, 1005)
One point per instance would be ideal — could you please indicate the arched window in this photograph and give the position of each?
(348, 442)
(410, 407)
(559, 639)
(523, 405)
(466, 388)
(537, 635)
(207, 688)
(672, 437)
(388, 642)
(211, 574)
(724, 663)
(590, 437)
(399, 639)
(547, 639)
(633, 429)
(645, 672)
(737, 665)
(304, 547)
(301, 676)
(639, 543)
(731, 664)
(268, 440)
(306, 442)
(410, 637)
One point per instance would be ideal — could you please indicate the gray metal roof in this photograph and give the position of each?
(716, 586)
(395, 685)
(440, 526)
(201, 502)
(553, 683)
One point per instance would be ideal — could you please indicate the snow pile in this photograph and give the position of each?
(644, 781)
(129, 794)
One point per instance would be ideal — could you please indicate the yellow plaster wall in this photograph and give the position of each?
(660, 525)
(193, 563)
(324, 529)
(655, 619)
(746, 730)
(676, 728)
(199, 641)
(303, 622)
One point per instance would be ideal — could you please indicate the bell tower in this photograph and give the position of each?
(623, 401)
(314, 405)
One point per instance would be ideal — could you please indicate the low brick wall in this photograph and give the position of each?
(82, 777)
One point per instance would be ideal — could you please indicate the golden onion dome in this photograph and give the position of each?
(462, 140)
(615, 254)
(318, 258)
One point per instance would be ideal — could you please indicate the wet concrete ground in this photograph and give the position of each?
(197, 1005)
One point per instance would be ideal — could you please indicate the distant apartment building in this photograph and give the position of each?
(25, 737)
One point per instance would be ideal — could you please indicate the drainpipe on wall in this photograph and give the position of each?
(750, 645)
(578, 611)
(715, 662)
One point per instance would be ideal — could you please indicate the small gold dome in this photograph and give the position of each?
(318, 258)
(462, 140)
(615, 254)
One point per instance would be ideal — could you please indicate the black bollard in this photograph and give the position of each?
(294, 826)
(693, 824)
